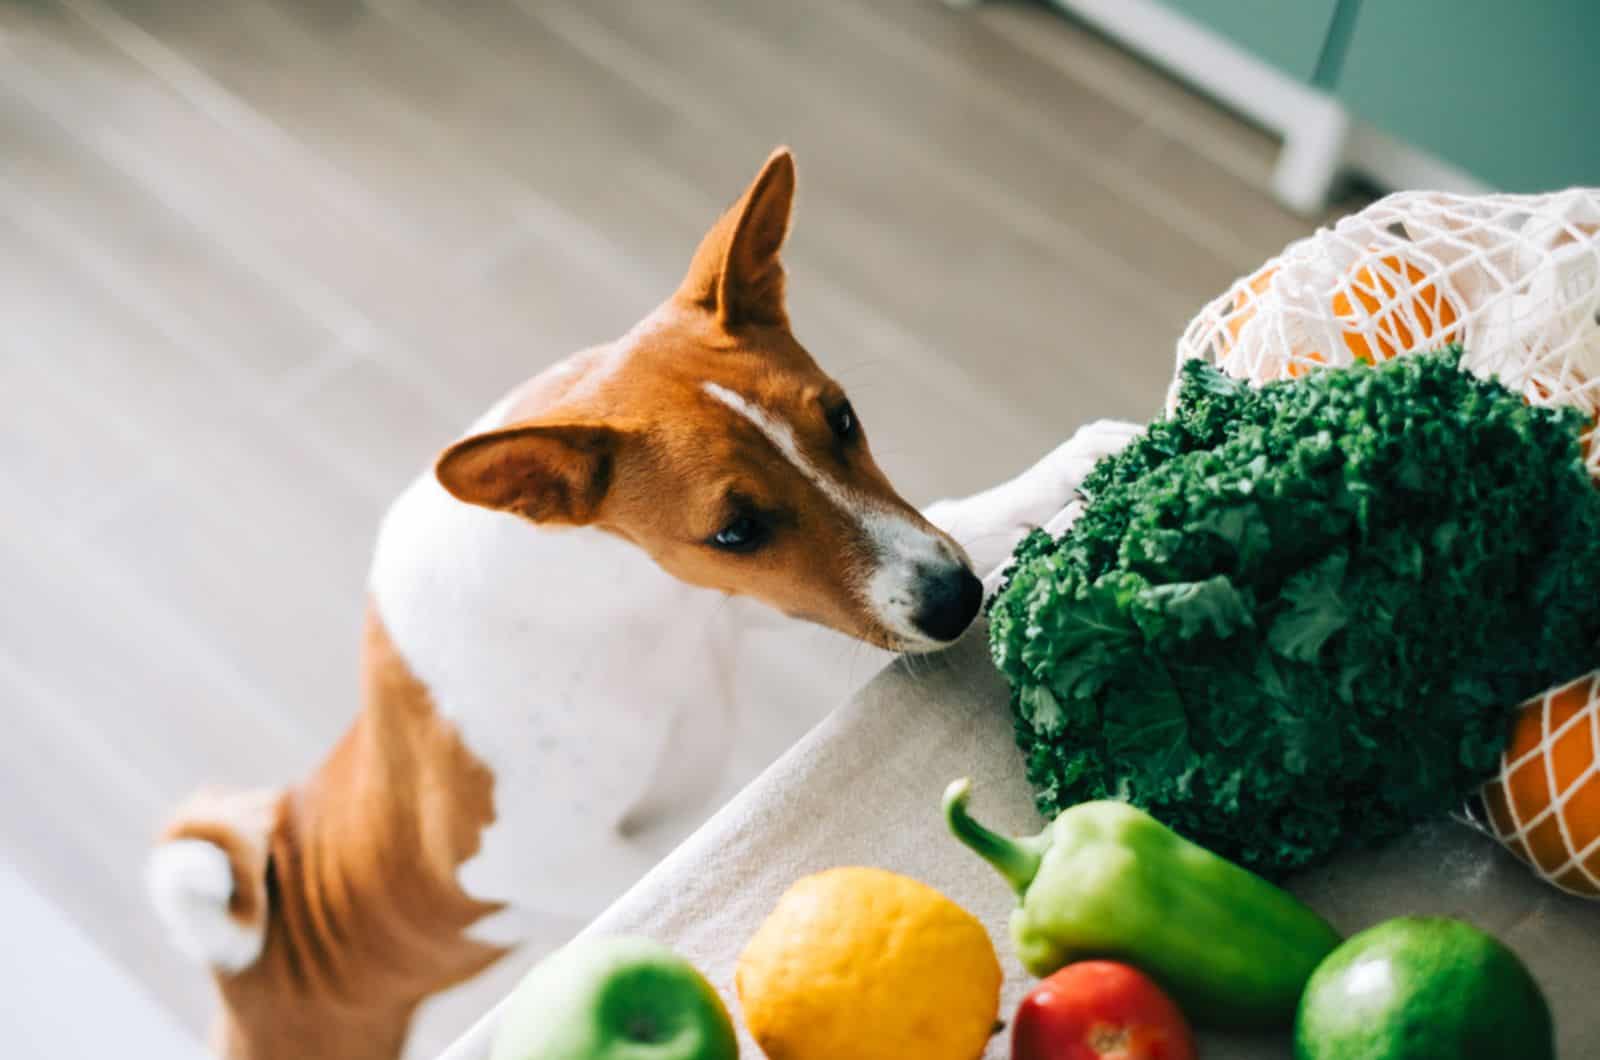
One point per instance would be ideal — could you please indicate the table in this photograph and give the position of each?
(863, 788)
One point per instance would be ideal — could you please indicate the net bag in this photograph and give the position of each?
(1545, 804)
(1515, 279)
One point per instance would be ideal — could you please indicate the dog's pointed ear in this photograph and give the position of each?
(736, 274)
(549, 473)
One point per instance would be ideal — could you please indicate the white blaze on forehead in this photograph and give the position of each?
(905, 549)
(781, 435)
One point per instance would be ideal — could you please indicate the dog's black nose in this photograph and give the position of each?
(950, 601)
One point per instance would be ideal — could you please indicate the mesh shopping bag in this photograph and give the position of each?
(1515, 279)
(1545, 804)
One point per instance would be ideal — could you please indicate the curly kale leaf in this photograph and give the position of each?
(1292, 618)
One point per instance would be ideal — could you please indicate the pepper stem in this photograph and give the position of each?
(1015, 859)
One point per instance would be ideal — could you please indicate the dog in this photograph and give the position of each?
(544, 668)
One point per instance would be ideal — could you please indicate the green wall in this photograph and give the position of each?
(1508, 91)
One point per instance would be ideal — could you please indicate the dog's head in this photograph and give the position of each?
(708, 437)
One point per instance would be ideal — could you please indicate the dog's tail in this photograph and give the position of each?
(207, 877)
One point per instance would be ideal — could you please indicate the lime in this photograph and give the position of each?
(1420, 988)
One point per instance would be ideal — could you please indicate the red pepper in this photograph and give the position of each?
(1100, 1010)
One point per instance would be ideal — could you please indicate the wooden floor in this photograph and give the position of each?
(258, 260)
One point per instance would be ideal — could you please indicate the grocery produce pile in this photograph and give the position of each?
(1294, 617)
(1288, 619)
(1137, 934)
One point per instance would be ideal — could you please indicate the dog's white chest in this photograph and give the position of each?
(593, 685)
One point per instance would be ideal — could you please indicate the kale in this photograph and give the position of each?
(1293, 619)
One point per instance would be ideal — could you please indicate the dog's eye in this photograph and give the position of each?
(843, 421)
(745, 533)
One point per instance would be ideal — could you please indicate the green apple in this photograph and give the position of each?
(615, 999)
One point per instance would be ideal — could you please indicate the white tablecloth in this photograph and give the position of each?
(863, 788)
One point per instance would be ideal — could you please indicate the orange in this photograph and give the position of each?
(1376, 287)
(1384, 305)
(1244, 302)
(1551, 757)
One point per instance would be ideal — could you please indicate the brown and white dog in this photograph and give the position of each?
(544, 667)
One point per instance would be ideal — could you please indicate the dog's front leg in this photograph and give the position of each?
(990, 524)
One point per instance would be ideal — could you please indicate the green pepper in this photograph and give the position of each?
(1107, 880)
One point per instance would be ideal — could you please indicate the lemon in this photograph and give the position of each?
(863, 964)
